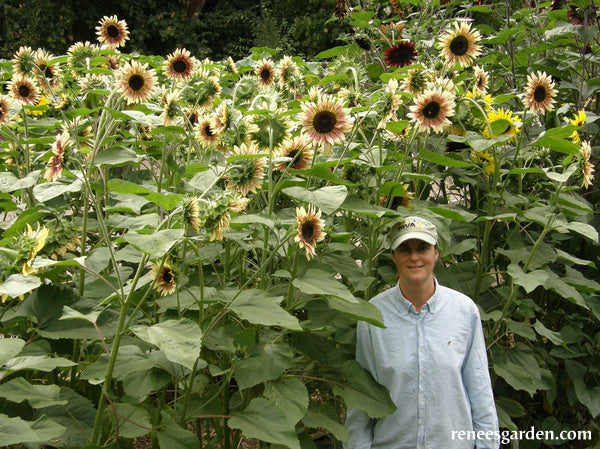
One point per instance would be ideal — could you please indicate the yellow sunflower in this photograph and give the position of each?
(24, 89)
(504, 123)
(310, 229)
(540, 92)
(325, 122)
(38, 238)
(431, 110)
(579, 120)
(180, 65)
(112, 32)
(486, 159)
(136, 82)
(164, 278)
(460, 45)
(297, 154)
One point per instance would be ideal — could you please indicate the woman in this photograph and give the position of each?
(431, 356)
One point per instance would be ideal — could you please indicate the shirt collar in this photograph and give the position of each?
(406, 306)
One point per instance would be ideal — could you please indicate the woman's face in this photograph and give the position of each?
(415, 260)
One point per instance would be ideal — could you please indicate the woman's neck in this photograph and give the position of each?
(417, 294)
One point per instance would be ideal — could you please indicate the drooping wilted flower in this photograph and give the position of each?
(324, 122)
(586, 167)
(112, 32)
(265, 72)
(180, 65)
(431, 110)
(136, 82)
(579, 120)
(401, 54)
(55, 164)
(310, 229)
(245, 175)
(24, 89)
(297, 154)
(38, 238)
(539, 93)
(164, 278)
(460, 44)
(507, 123)
(24, 61)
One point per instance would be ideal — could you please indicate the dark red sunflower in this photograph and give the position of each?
(402, 54)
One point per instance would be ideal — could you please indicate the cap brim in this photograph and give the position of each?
(424, 236)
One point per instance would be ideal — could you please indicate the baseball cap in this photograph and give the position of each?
(413, 228)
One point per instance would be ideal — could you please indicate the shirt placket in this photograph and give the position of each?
(422, 358)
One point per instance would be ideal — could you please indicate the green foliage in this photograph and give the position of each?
(189, 266)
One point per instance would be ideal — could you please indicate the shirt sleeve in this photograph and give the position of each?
(476, 377)
(359, 424)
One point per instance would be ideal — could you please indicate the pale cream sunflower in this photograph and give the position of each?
(297, 155)
(310, 229)
(56, 162)
(431, 110)
(265, 72)
(191, 212)
(481, 79)
(388, 103)
(171, 112)
(460, 44)
(24, 61)
(4, 109)
(587, 168)
(246, 175)
(49, 75)
(325, 122)
(288, 75)
(540, 92)
(180, 65)
(416, 81)
(205, 134)
(24, 89)
(136, 82)
(112, 32)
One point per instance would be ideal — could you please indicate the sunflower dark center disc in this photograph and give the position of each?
(24, 91)
(431, 110)
(401, 55)
(308, 231)
(112, 31)
(539, 94)
(295, 158)
(136, 82)
(208, 131)
(459, 45)
(179, 66)
(265, 74)
(168, 277)
(324, 122)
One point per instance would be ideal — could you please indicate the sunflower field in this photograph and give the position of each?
(187, 245)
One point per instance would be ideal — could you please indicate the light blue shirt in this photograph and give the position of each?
(434, 364)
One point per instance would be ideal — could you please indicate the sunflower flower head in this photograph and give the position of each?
(171, 110)
(24, 61)
(37, 241)
(164, 278)
(460, 44)
(401, 54)
(295, 154)
(540, 92)
(24, 89)
(112, 32)
(503, 123)
(246, 175)
(431, 110)
(289, 75)
(416, 81)
(265, 72)
(218, 213)
(388, 103)
(136, 82)
(180, 65)
(272, 130)
(79, 56)
(325, 122)
(56, 162)
(206, 135)
(245, 89)
(484, 158)
(4, 109)
(310, 229)
(191, 212)
(481, 79)
(579, 120)
(586, 168)
(48, 75)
